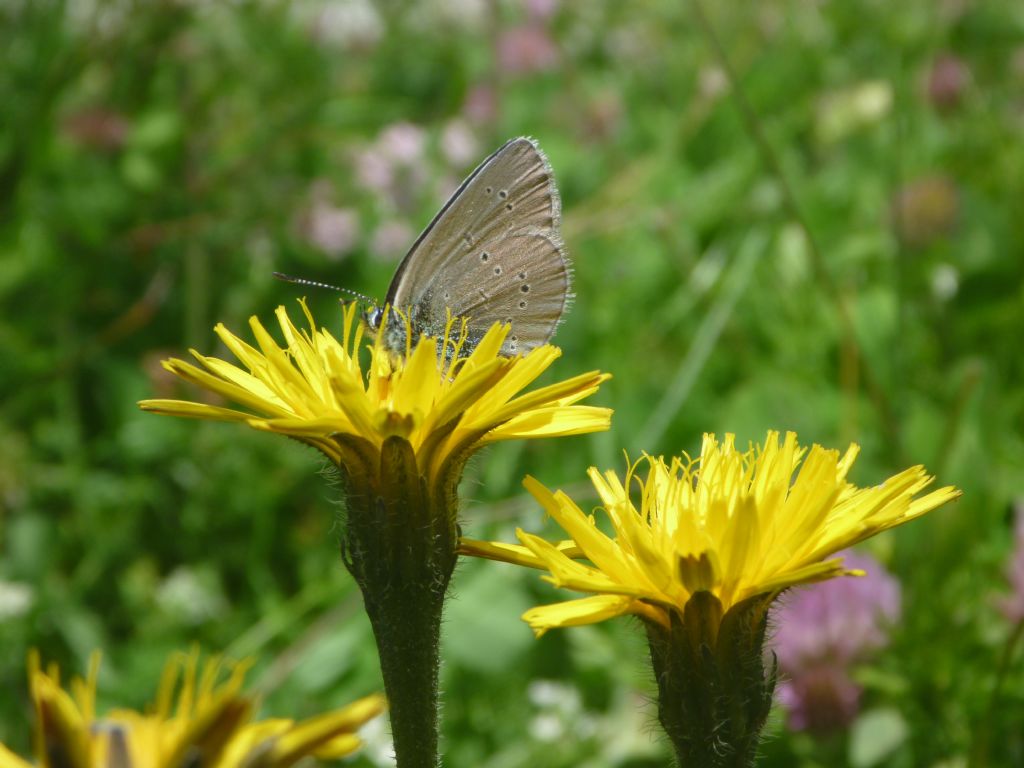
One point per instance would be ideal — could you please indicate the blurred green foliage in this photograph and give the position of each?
(159, 160)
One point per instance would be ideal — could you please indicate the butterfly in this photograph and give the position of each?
(493, 253)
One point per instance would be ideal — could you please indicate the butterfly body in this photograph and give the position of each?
(493, 253)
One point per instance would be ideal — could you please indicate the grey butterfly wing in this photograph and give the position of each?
(493, 253)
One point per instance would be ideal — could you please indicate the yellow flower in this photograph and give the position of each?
(209, 723)
(315, 389)
(732, 523)
(400, 431)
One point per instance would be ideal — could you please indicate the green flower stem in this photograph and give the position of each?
(714, 693)
(407, 626)
(400, 546)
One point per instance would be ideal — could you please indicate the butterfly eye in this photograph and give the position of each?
(497, 270)
(373, 317)
(508, 206)
(522, 305)
(524, 288)
(490, 190)
(522, 275)
(503, 194)
(485, 256)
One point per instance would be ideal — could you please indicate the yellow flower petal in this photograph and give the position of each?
(513, 553)
(561, 393)
(572, 613)
(189, 410)
(10, 760)
(558, 421)
(566, 572)
(328, 736)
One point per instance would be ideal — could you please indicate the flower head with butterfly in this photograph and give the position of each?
(462, 333)
(463, 330)
(437, 398)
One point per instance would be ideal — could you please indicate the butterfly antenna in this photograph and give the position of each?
(328, 286)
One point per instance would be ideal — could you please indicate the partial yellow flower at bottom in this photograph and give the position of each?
(209, 722)
(698, 550)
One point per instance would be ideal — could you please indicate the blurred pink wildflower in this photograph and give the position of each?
(947, 81)
(403, 143)
(481, 104)
(327, 227)
(821, 699)
(540, 10)
(458, 144)
(391, 240)
(393, 166)
(526, 49)
(374, 170)
(824, 629)
(351, 24)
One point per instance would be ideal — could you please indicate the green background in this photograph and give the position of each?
(158, 160)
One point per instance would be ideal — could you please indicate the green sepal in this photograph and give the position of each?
(715, 692)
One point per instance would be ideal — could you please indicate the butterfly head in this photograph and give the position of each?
(379, 318)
